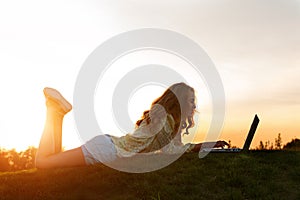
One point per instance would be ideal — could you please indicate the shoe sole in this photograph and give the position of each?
(58, 98)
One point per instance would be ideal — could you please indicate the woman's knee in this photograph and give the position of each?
(70, 158)
(41, 163)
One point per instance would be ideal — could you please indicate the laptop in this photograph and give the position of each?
(246, 144)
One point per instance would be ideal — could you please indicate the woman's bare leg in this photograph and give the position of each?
(49, 152)
(51, 139)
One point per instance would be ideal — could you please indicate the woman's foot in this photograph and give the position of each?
(55, 98)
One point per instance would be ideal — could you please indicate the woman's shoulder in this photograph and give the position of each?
(170, 119)
(169, 124)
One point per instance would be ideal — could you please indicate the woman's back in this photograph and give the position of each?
(146, 138)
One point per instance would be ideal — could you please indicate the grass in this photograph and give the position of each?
(255, 175)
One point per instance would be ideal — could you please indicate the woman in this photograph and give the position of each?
(163, 124)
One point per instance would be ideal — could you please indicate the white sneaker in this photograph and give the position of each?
(54, 95)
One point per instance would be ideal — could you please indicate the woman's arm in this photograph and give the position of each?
(220, 143)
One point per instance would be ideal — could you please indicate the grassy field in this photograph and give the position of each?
(256, 175)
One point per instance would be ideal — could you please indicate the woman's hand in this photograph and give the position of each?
(221, 143)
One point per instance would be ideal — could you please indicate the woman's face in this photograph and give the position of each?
(190, 104)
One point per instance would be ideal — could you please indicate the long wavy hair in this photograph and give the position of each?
(174, 102)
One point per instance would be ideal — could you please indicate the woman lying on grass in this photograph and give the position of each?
(169, 115)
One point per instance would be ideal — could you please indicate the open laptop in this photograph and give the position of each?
(247, 142)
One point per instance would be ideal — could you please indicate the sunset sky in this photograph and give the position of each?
(254, 44)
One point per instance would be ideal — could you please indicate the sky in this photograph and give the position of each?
(254, 44)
